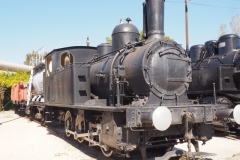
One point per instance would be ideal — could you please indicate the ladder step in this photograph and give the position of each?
(48, 121)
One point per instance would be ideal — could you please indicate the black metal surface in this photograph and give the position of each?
(123, 34)
(218, 68)
(81, 54)
(227, 43)
(196, 52)
(103, 49)
(155, 19)
(69, 84)
(211, 48)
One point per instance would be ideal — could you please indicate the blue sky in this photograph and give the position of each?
(27, 25)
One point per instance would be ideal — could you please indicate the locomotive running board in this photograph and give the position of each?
(177, 153)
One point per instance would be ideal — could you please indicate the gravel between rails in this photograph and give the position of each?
(22, 139)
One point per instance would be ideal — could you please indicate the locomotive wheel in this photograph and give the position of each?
(108, 152)
(68, 123)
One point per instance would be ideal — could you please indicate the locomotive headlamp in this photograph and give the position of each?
(162, 118)
(236, 113)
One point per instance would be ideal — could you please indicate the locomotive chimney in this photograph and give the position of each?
(154, 19)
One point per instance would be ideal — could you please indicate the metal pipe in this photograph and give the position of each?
(214, 91)
(118, 93)
(186, 23)
(13, 67)
(111, 75)
(144, 21)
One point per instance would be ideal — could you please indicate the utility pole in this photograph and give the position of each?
(186, 23)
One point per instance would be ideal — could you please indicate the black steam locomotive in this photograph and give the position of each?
(216, 75)
(131, 95)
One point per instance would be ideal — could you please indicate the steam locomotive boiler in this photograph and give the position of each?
(215, 75)
(131, 95)
(35, 101)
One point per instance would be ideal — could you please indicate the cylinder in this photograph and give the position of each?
(8, 66)
(155, 19)
(144, 21)
(224, 113)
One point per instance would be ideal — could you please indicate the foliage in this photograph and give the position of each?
(2, 90)
(109, 40)
(141, 36)
(234, 25)
(8, 79)
(32, 59)
(168, 38)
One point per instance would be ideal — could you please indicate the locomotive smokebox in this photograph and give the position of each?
(154, 19)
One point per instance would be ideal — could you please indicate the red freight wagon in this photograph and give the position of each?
(19, 95)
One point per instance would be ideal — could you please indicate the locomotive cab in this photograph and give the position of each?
(66, 80)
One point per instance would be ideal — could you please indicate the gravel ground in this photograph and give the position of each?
(22, 139)
(224, 148)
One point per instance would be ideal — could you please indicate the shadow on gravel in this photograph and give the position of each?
(9, 120)
(95, 152)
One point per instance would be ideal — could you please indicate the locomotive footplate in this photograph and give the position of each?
(162, 119)
(173, 115)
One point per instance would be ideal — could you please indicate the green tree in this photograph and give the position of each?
(141, 36)
(168, 38)
(109, 40)
(8, 79)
